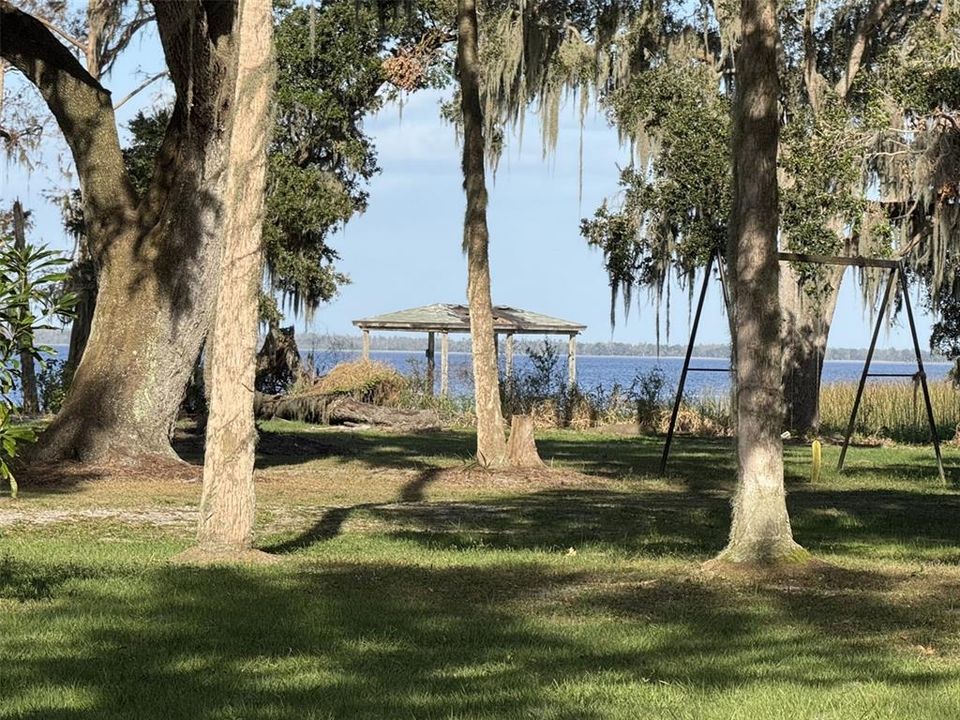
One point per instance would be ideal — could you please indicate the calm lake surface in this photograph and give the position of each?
(594, 371)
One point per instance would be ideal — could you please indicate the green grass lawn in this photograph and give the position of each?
(416, 586)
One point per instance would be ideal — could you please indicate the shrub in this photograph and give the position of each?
(542, 391)
(646, 391)
(52, 385)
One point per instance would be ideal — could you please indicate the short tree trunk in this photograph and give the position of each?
(278, 362)
(522, 447)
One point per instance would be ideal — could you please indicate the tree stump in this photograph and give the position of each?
(522, 448)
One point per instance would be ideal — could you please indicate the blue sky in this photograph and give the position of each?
(405, 250)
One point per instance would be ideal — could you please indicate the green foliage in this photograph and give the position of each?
(647, 389)
(52, 383)
(329, 78)
(822, 196)
(945, 333)
(862, 170)
(676, 202)
(328, 74)
(921, 74)
(147, 132)
(30, 299)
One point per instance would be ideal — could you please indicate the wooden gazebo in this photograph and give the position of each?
(445, 319)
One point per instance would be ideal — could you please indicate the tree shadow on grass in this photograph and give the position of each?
(331, 523)
(601, 456)
(377, 640)
(682, 523)
(377, 449)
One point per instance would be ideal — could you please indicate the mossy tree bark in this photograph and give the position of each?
(157, 255)
(760, 529)
(227, 502)
(491, 440)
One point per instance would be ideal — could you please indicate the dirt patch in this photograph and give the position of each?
(477, 478)
(160, 517)
(203, 557)
(68, 474)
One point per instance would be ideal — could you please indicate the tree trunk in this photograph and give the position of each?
(151, 315)
(760, 529)
(227, 501)
(30, 402)
(491, 442)
(126, 392)
(804, 332)
(158, 256)
(83, 283)
(522, 447)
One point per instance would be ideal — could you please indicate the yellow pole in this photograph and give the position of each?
(817, 458)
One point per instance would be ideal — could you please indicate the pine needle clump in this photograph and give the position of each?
(363, 380)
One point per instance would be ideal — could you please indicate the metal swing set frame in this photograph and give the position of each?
(896, 275)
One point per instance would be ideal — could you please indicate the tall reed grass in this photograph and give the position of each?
(888, 410)
(891, 410)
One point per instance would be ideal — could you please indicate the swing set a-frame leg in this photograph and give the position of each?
(896, 274)
(866, 367)
(921, 373)
(686, 367)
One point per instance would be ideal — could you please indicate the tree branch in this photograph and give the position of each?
(142, 86)
(111, 51)
(811, 75)
(79, 44)
(84, 112)
(196, 41)
(862, 38)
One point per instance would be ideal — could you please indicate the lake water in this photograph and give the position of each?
(593, 371)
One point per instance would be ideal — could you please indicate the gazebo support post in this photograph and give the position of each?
(366, 344)
(444, 363)
(572, 360)
(431, 362)
(508, 358)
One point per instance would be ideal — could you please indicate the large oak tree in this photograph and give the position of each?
(158, 252)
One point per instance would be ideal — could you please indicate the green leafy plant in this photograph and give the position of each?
(30, 299)
(52, 383)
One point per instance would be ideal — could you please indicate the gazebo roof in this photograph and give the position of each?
(444, 317)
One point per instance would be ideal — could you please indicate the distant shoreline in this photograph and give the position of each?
(927, 359)
(394, 344)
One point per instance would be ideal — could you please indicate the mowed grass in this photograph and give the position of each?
(416, 586)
